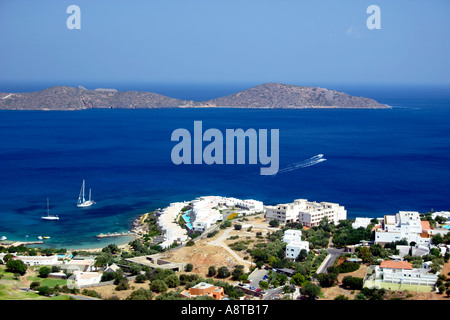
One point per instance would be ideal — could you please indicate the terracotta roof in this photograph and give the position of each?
(390, 264)
(425, 225)
(424, 235)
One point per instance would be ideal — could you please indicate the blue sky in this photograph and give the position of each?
(225, 41)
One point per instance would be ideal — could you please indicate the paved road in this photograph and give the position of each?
(333, 254)
(271, 293)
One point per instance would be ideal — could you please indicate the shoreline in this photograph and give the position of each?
(137, 231)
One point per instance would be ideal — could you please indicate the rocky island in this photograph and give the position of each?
(268, 95)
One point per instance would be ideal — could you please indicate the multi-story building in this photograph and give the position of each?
(307, 212)
(402, 272)
(294, 243)
(171, 230)
(404, 225)
(205, 212)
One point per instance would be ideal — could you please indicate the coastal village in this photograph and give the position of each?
(225, 248)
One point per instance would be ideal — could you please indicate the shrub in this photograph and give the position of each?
(172, 281)
(274, 223)
(122, 285)
(34, 285)
(353, 283)
(347, 267)
(90, 293)
(158, 286)
(140, 278)
(140, 294)
(190, 243)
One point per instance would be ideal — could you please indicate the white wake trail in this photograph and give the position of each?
(303, 164)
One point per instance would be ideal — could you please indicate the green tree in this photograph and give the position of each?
(111, 248)
(223, 272)
(310, 291)
(140, 278)
(437, 239)
(45, 291)
(140, 294)
(237, 272)
(172, 281)
(298, 279)
(34, 285)
(158, 286)
(364, 254)
(188, 267)
(274, 223)
(302, 255)
(16, 266)
(327, 280)
(264, 285)
(212, 271)
(44, 272)
(135, 269)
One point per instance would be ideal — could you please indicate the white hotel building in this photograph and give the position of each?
(307, 212)
(206, 209)
(206, 213)
(169, 228)
(403, 225)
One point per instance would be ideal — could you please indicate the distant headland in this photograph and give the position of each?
(267, 95)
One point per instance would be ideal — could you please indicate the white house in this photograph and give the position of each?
(361, 222)
(38, 260)
(444, 214)
(80, 265)
(86, 279)
(111, 268)
(402, 272)
(307, 212)
(294, 243)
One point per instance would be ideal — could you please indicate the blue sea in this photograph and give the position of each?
(378, 162)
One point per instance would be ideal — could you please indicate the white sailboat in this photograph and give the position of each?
(48, 216)
(82, 202)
